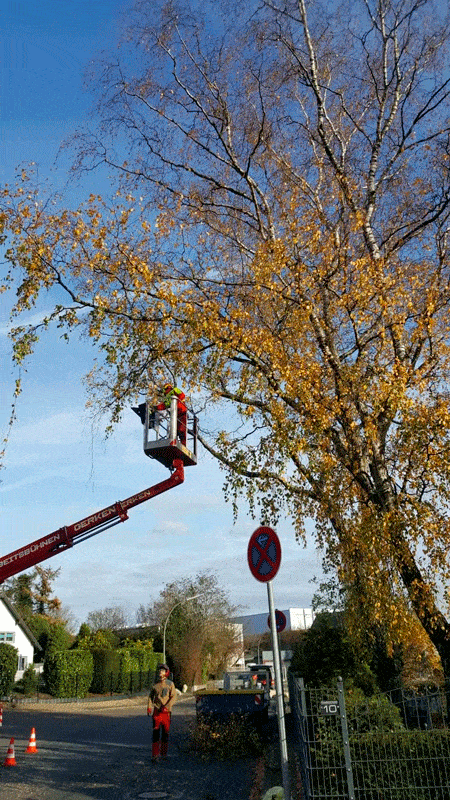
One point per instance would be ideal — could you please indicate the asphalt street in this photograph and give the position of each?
(101, 751)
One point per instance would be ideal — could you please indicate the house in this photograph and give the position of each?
(14, 631)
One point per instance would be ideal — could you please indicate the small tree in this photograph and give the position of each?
(29, 682)
(325, 653)
(83, 632)
(199, 636)
(45, 601)
(19, 590)
(8, 667)
(51, 634)
(32, 592)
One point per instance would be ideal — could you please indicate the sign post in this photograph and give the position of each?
(281, 622)
(264, 558)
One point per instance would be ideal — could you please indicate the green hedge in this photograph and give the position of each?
(126, 670)
(137, 669)
(68, 673)
(106, 670)
(74, 673)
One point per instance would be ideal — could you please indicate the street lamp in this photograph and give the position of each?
(186, 600)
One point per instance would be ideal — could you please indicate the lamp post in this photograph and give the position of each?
(186, 600)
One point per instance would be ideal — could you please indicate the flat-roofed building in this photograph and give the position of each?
(297, 619)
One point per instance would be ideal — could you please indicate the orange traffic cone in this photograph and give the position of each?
(10, 761)
(32, 745)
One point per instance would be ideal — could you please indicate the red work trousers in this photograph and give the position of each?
(161, 726)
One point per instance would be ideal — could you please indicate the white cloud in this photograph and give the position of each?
(26, 320)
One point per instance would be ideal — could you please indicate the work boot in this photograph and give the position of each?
(155, 752)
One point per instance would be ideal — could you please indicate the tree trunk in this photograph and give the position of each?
(422, 599)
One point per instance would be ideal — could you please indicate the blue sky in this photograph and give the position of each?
(59, 467)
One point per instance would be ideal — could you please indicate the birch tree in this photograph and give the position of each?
(278, 242)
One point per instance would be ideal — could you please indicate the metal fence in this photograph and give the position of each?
(394, 746)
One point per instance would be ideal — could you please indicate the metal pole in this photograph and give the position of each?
(279, 695)
(305, 754)
(173, 419)
(281, 667)
(345, 740)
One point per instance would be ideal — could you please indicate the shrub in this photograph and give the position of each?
(223, 740)
(324, 653)
(387, 764)
(96, 640)
(416, 767)
(28, 683)
(58, 638)
(375, 713)
(51, 634)
(8, 667)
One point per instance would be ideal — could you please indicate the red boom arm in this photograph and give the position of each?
(66, 537)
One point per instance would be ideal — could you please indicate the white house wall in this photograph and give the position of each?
(8, 625)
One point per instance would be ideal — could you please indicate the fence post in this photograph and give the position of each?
(345, 741)
(305, 754)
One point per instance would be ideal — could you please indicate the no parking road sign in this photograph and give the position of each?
(264, 554)
(264, 557)
(280, 620)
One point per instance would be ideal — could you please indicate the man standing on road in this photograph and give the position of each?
(160, 701)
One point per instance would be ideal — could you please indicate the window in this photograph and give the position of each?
(7, 637)
(23, 662)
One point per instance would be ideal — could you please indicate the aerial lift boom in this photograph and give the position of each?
(174, 433)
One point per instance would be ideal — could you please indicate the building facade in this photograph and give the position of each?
(15, 632)
(297, 619)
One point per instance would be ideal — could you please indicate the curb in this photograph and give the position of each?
(11, 704)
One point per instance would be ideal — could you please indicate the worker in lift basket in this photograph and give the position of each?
(160, 701)
(169, 392)
(173, 391)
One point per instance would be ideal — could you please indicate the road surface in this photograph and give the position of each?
(102, 751)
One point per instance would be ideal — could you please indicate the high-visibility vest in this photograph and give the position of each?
(174, 392)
